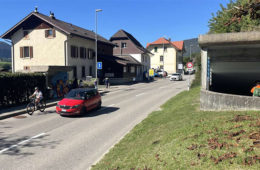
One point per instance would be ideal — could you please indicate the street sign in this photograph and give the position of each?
(151, 72)
(189, 65)
(99, 65)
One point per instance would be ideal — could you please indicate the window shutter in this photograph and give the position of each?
(53, 32)
(46, 33)
(21, 52)
(31, 52)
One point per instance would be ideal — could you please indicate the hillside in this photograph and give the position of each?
(5, 51)
(193, 44)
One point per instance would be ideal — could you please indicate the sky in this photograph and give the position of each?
(146, 20)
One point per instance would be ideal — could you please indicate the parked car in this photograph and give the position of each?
(78, 101)
(176, 76)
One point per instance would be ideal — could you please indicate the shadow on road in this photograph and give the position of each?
(93, 113)
(16, 149)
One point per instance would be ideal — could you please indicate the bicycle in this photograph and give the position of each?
(31, 107)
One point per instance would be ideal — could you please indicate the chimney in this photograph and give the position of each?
(170, 39)
(52, 15)
(36, 9)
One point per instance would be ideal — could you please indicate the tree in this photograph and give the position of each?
(237, 16)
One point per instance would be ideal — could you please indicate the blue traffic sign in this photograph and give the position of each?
(99, 65)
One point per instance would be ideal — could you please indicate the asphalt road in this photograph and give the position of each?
(48, 141)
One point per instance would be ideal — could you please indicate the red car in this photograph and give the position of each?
(78, 101)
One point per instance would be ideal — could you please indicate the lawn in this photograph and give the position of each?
(180, 136)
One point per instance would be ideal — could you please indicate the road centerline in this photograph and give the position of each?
(22, 142)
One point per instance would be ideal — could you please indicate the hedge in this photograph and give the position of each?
(16, 88)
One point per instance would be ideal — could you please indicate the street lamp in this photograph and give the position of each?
(97, 10)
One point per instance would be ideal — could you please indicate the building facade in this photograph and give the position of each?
(129, 47)
(167, 55)
(39, 40)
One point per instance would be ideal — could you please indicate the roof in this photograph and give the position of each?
(66, 28)
(124, 59)
(122, 34)
(176, 44)
(229, 39)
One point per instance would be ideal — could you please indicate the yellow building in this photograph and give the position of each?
(167, 55)
(41, 42)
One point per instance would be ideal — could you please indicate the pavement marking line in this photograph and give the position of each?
(139, 94)
(22, 142)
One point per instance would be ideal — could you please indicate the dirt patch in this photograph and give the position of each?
(239, 118)
(200, 155)
(252, 160)
(237, 133)
(255, 136)
(20, 117)
(192, 147)
(214, 144)
(223, 157)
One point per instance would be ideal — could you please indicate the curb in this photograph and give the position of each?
(23, 111)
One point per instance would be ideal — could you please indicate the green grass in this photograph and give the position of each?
(177, 138)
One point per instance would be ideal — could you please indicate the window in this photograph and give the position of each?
(74, 51)
(50, 33)
(132, 69)
(83, 52)
(142, 58)
(165, 49)
(26, 52)
(26, 34)
(125, 69)
(83, 73)
(91, 54)
(161, 68)
(90, 70)
(116, 45)
(26, 68)
(75, 71)
(155, 49)
(123, 45)
(161, 58)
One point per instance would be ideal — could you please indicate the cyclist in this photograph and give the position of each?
(38, 96)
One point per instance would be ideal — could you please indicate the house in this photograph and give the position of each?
(43, 43)
(167, 56)
(129, 48)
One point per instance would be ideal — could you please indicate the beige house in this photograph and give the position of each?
(42, 41)
(167, 55)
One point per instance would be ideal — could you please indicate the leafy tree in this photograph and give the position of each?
(237, 16)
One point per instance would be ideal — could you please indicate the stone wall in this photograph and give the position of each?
(212, 101)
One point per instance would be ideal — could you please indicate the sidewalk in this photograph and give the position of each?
(15, 111)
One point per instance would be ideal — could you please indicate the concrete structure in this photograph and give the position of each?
(167, 55)
(230, 64)
(40, 40)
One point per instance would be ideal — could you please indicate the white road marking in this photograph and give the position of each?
(22, 142)
(140, 94)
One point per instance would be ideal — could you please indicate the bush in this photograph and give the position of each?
(16, 88)
(197, 81)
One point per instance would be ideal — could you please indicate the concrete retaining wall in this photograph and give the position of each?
(212, 101)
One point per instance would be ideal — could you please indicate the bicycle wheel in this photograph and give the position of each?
(30, 108)
(42, 106)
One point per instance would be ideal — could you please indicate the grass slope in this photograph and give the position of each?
(180, 136)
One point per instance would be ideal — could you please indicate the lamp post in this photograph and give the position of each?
(97, 10)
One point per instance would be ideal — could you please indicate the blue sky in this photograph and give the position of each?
(146, 20)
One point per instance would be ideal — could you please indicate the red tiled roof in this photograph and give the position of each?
(177, 44)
